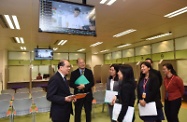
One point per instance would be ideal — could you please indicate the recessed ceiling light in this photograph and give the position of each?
(124, 33)
(103, 1)
(104, 50)
(111, 2)
(23, 48)
(176, 13)
(15, 19)
(159, 36)
(82, 49)
(7, 17)
(62, 42)
(124, 45)
(55, 48)
(96, 44)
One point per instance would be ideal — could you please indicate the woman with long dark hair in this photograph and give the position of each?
(112, 84)
(148, 91)
(174, 90)
(126, 93)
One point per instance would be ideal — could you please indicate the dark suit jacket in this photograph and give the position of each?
(158, 74)
(126, 96)
(88, 87)
(152, 91)
(57, 90)
(115, 87)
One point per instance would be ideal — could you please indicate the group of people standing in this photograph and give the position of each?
(122, 80)
(148, 90)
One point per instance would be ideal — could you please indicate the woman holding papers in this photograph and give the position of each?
(174, 90)
(126, 93)
(148, 92)
(112, 85)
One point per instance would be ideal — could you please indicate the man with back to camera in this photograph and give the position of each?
(82, 88)
(157, 73)
(59, 94)
(75, 21)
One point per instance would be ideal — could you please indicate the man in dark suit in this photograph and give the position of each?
(156, 72)
(59, 94)
(82, 88)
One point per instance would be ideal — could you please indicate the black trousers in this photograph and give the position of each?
(87, 107)
(172, 109)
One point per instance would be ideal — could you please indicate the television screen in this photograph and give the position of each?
(43, 54)
(66, 17)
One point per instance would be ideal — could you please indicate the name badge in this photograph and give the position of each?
(143, 95)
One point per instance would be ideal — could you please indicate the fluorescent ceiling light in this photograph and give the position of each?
(23, 48)
(96, 44)
(19, 40)
(55, 48)
(22, 40)
(7, 17)
(62, 42)
(104, 50)
(16, 21)
(176, 13)
(159, 36)
(124, 33)
(103, 1)
(95, 53)
(111, 2)
(124, 45)
(82, 49)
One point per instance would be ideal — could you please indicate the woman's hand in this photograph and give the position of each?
(113, 100)
(142, 103)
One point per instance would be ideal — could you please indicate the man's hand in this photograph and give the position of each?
(81, 86)
(70, 98)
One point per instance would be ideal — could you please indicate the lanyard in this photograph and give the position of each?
(145, 83)
(168, 84)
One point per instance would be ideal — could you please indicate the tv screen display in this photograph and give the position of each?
(43, 54)
(67, 17)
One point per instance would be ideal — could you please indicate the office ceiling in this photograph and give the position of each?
(146, 16)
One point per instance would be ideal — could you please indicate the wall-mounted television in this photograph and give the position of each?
(66, 17)
(43, 54)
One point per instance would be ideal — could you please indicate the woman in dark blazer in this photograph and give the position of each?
(148, 91)
(126, 93)
(112, 84)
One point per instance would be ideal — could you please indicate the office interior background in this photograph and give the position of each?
(148, 33)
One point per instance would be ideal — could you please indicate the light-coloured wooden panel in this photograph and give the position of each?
(116, 55)
(60, 56)
(75, 56)
(128, 53)
(144, 50)
(164, 46)
(165, 56)
(108, 56)
(19, 73)
(181, 43)
(181, 70)
(19, 55)
(181, 54)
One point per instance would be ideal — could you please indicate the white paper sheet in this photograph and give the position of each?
(116, 111)
(109, 95)
(148, 110)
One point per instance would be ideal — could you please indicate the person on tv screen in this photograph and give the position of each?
(75, 21)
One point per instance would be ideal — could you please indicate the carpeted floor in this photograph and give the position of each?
(97, 116)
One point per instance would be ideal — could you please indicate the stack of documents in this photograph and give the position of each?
(109, 96)
(148, 110)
